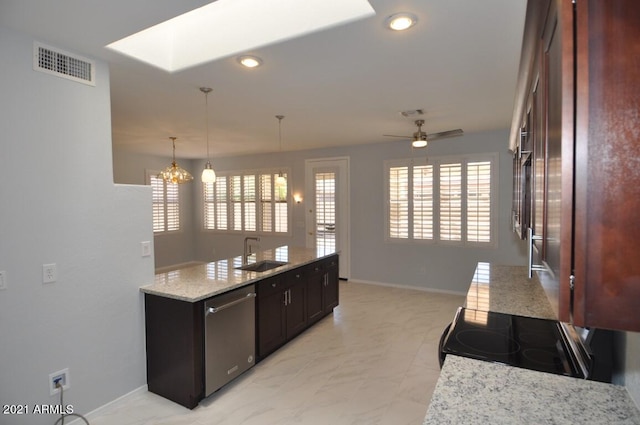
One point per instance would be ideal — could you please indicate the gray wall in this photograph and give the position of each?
(59, 205)
(372, 258)
(169, 248)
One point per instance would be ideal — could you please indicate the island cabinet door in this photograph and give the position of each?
(330, 293)
(271, 316)
(296, 303)
(315, 291)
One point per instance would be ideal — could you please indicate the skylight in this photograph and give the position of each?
(227, 27)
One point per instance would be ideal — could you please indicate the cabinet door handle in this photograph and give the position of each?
(532, 266)
(285, 297)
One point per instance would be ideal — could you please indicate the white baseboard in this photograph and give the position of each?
(416, 288)
(104, 408)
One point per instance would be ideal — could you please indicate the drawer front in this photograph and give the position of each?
(270, 286)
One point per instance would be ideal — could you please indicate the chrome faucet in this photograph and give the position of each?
(247, 248)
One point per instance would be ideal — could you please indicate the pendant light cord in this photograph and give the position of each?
(206, 103)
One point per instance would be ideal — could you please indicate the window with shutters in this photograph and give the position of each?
(247, 201)
(443, 199)
(165, 203)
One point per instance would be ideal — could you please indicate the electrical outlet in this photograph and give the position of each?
(3, 280)
(60, 377)
(49, 273)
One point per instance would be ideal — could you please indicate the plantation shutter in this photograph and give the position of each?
(399, 202)
(479, 201)
(281, 206)
(222, 204)
(173, 207)
(250, 203)
(266, 197)
(423, 202)
(157, 195)
(165, 204)
(451, 202)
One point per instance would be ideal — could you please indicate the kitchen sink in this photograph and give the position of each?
(262, 266)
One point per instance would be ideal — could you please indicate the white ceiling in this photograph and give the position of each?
(341, 86)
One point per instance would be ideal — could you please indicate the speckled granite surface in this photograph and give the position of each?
(477, 392)
(506, 289)
(202, 281)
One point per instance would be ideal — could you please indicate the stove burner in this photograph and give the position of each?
(487, 342)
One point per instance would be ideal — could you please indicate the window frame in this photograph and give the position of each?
(258, 200)
(436, 162)
(149, 174)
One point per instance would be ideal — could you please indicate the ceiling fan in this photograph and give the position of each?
(420, 138)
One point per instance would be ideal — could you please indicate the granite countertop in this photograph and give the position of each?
(506, 289)
(202, 281)
(477, 392)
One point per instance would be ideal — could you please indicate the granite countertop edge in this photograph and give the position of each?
(477, 392)
(196, 283)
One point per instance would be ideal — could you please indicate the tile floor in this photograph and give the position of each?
(372, 362)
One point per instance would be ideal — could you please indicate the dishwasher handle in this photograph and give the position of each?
(212, 310)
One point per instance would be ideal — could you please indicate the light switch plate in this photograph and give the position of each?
(146, 248)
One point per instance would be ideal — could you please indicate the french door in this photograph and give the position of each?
(327, 216)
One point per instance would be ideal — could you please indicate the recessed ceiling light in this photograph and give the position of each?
(212, 31)
(250, 61)
(401, 21)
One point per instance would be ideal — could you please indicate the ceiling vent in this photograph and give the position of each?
(62, 64)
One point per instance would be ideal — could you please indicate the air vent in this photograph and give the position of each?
(62, 64)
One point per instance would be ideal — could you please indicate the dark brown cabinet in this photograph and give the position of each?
(281, 310)
(290, 302)
(175, 349)
(322, 284)
(175, 329)
(578, 92)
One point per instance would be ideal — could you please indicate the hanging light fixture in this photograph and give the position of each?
(208, 175)
(174, 173)
(281, 180)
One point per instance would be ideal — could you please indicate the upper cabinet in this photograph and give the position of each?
(576, 173)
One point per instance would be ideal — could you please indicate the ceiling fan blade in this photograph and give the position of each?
(393, 135)
(444, 134)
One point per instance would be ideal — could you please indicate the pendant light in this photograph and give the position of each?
(281, 180)
(174, 173)
(208, 175)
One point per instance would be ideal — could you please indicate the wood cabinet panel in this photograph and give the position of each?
(586, 178)
(296, 305)
(270, 316)
(175, 349)
(607, 201)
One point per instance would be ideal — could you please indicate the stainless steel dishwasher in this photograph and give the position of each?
(229, 339)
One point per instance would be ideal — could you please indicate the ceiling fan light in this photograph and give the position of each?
(208, 174)
(401, 21)
(419, 143)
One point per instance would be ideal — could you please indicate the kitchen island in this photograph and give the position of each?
(472, 391)
(296, 293)
(196, 283)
